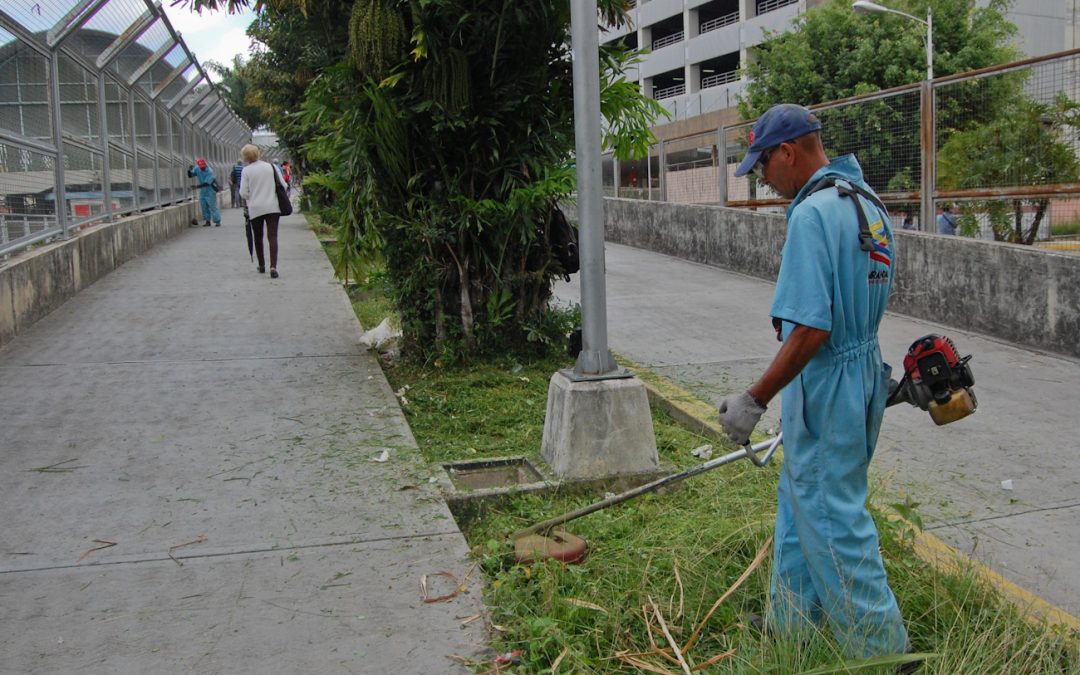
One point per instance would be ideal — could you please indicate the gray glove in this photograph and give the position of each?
(739, 415)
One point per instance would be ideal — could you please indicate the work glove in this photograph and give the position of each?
(739, 415)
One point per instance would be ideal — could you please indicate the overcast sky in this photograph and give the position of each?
(212, 36)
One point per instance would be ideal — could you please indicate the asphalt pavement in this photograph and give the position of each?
(190, 482)
(1002, 485)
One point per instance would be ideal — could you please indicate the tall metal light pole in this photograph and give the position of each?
(928, 141)
(597, 422)
(594, 359)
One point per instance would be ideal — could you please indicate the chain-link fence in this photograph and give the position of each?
(102, 110)
(1001, 146)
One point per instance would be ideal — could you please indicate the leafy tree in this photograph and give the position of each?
(834, 53)
(445, 133)
(869, 53)
(237, 83)
(987, 156)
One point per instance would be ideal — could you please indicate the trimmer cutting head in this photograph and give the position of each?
(555, 545)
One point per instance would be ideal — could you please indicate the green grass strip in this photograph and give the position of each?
(679, 551)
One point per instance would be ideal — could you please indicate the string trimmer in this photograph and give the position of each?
(936, 379)
(542, 541)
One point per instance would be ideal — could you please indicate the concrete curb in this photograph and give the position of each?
(693, 413)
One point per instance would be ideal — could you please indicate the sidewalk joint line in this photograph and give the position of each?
(1001, 517)
(222, 554)
(176, 361)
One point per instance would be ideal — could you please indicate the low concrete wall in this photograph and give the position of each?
(1016, 293)
(38, 282)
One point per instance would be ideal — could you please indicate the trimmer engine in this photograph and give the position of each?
(936, 379)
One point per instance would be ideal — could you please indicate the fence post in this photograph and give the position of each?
(106, 167)
(136, 176)
(60, 203)
(152, 111)
(721, 163)
(663, 171)
(927, 141)
(615, 173)
(648, 171)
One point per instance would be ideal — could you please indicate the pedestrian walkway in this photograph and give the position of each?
(1002, 485)
(189, 480)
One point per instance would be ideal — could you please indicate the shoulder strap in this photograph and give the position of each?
(846, 189)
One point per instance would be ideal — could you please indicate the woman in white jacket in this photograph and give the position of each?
(257, 188)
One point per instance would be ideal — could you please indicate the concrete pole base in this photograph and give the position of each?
(598, 428)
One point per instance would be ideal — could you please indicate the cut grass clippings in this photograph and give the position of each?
(659, 566)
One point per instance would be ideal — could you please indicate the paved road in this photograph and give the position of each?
(218, 427)
(708, 330)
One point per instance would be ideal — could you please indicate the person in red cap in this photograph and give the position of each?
(207, 192)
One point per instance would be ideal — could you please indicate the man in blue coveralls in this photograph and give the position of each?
(207, 194)
(835, 276)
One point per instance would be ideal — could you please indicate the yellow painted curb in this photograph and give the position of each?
(948, 559)
(695, 414)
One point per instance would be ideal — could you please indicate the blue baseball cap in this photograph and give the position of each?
(781, 123)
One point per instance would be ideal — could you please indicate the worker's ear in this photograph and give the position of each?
(787, 153)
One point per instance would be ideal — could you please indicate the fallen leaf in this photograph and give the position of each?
(586, 604)
(106, 544)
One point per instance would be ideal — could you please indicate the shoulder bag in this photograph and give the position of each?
(284, 205)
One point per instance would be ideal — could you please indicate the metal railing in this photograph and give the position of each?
(668, 92)
(102, 110)
(719, 79)
(1001, 144)
(764, 6)
(719, 22)
(667, 40)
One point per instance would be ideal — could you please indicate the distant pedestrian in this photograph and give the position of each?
(234, 182)
(946, 222)
(208, 190)
(909, 222)
(286, 173)
(257, 188)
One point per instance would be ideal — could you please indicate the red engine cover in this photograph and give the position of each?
(924, 347)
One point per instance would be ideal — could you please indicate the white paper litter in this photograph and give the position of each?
(704, 451)
(1006, 484)
(382, 457)
(380, 335)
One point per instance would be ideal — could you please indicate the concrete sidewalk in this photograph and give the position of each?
(709, 331)
(218, 427)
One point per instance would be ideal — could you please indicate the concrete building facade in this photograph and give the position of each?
(696, 49)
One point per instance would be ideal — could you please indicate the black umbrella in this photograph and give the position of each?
(250, 237)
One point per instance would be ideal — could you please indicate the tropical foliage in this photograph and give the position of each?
(438, 135)
(869, 53)
(987, 156)
(236, 81)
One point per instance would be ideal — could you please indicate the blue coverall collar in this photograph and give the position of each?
(845, 166)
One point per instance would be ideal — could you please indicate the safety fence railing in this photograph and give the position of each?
(719, 22)
(102, 110)
(1001, 146)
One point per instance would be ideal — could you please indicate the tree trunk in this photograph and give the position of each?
(464, 282)
(1040, 212)
(1018, 221)
(440, 315)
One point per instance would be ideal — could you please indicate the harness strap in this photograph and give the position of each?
(846, 189)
